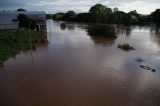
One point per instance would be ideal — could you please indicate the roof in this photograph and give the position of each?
(22, 12)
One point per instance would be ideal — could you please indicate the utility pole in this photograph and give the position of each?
(30, 37)
(50, 30)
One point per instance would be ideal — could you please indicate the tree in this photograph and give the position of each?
(126, 19)
(136, 18)
(83, 17)
(156, 17)
(48, 16)
(70, 16)
(25, 22)
(20, 9)
(115, 9)
(71, 13)
(100, 13)
(102, 30)
(58, 16)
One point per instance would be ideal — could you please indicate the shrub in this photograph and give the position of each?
(102, 30)
(125, 47)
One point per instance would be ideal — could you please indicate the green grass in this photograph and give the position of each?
(102, 30)
(12, 43)
(125, 47)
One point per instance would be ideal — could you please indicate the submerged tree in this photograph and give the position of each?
(70, 16)
(102, 30)
(126, 19)
(100, 13)
(135, 17)
(156, 17)
(58, 16)
(83, 17)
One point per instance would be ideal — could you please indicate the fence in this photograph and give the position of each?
(8, 26)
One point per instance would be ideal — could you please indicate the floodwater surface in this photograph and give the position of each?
(74, 69)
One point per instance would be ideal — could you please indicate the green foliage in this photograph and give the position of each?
(126, 19)
(24, 21)
(83, 17)
(125, 47)
(58, 16)
(21, 9)
(48, 16)
(13, 43)
(69, 16)
(156, 17)
(121, 18)
(102, 30)
(115, 9)
(135, 17)
(100, 13)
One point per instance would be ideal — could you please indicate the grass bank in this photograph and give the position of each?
(12, 43)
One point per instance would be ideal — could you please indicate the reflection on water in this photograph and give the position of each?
(74, 69)
(69, 26)
(124, 29)
(63, 26)
(155, 35)
(103, 41)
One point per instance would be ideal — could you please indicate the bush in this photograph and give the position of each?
(125, 47)
(102, 30)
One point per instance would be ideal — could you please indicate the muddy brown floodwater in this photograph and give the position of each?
(74, 69)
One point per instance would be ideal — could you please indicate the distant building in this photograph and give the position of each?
(8, 19)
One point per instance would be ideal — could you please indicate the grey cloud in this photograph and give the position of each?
(64, 5)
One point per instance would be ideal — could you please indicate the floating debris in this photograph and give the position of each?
(140, 60)
(147, 68)
(153, 70)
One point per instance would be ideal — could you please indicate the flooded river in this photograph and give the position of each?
(74, 69)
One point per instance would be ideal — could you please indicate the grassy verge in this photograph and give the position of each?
(12, 43)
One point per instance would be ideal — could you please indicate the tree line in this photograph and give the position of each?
(103, 14)
(25, 21)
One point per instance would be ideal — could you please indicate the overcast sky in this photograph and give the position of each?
(52, 6)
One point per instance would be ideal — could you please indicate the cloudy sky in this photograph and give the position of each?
(52, 6)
